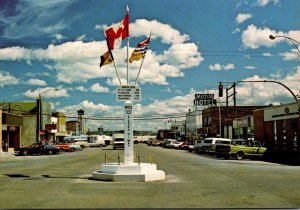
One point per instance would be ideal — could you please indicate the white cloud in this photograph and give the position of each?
(254, 37)
(242, 17)
(294, 54)
(250, 67)
(267, 55)
(263, 3)
(59, 37)
(7, 79)
(236, 30)
(90, 105)
(37, 82)
(81, 89)
(229, 66)
(48, 92)
(215, 67)
(100, 27)
(219, 67)
(97, 88)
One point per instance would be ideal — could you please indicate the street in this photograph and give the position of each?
(192, 181)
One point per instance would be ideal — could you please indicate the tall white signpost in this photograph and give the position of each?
(129, 170)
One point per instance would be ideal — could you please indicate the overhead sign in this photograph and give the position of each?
(129, 93)
(204, 100)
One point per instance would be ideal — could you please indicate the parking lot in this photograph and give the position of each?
(192, 181)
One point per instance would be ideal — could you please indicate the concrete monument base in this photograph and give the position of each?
(143, 172)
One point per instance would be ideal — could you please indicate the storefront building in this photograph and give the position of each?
(279, 128)
(218, 121)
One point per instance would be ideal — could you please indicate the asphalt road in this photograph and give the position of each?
(192, 181)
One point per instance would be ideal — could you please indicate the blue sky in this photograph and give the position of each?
(195, 44)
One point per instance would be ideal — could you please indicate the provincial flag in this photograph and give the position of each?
(106, 59)
(140, 50)
(115, 34)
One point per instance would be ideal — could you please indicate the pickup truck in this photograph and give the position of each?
(250, 148)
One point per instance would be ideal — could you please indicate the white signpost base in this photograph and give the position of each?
(129, 171)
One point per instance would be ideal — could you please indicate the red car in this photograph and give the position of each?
(64, 147)
(185, 146)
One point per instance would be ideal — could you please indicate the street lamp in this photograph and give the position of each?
(39, 105)
(272, 37)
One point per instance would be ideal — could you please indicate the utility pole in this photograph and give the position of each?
(227, 104)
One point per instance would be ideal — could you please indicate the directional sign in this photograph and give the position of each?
(129, 93)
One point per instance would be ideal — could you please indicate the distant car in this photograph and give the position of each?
(75, 147)
(191, 148)
(118, 141)
(198, 145)
(169, 143)
(185, 146)
(64, 147)
(177, 145)
(38, 149)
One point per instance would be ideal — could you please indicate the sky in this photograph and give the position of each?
(195, 44)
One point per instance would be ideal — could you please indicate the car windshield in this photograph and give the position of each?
(208, 141)
(119, 139)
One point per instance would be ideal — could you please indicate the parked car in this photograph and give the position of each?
(153, 142)
(252, 148)
(39, 148)
(198, 145)
(170, 142)
(118, 140)
(177, 145)
(191, 148)
(185, 145)
(223, 150)
(64, 147)
(209, 144)
(96, 141)
(75, 147)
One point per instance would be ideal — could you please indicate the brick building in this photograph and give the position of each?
(279, 128)
(211, 120)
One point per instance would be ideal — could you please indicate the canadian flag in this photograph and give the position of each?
(117, 32)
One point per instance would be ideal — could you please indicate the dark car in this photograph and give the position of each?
(39, 149)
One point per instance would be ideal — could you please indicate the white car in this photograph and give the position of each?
(176, 145)
(75, 147)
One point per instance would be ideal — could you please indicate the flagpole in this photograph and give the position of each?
(128, 49)
(142, 63)
(117, 72)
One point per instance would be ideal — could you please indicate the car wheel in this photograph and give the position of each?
(72, 149)
(50, 152)
(239, 155)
